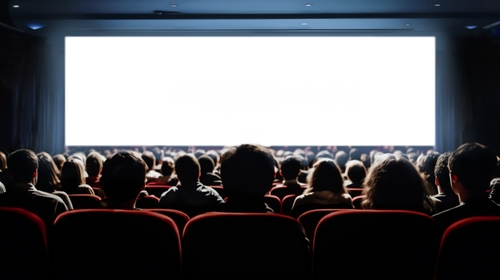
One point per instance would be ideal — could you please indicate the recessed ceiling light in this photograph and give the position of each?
(15, 6)
(309, 5)
(408, 24)
(173, 5)
(437, 5)
(35, 26)
(470, 27)
(304, 23)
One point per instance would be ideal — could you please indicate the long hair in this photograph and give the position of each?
(72, 174)
(326, 175)
(396, 184)
(48, 175)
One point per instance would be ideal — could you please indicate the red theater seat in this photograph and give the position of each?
(85, 201)
(157, 189)
(244, 246)
(131, 244)
(273, 202)
(469, 250)
(287, 203)
(375, 244)
(310, 219)
(23, 245)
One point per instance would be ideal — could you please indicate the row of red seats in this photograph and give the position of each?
(350, 244)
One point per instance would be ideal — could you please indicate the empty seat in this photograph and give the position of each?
(23, 245)
(244, 245)
(130, 244)
(469, 250)
(375, 244)
(85, 201)
(180, 218)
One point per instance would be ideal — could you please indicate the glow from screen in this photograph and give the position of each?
(169, 91)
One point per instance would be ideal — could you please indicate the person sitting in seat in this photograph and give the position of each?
(190, 196)
(23, 169)
(471, 168)
(247, 174)
(325, 189)
(123, 178)
(290, 170)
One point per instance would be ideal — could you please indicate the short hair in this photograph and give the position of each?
(123, 176)
(149, 159)
(441, 172)
(187, 169)
(326, 176)
(475, 165)
(355, 171)
(215, 156)
(395, 183)
(72, 174)
(206, 164)
(429, 163)
(247, 169)
(290, 167)
(94, 164)
(22, 164)
(355, 154)
(341, 159)
(167, 167)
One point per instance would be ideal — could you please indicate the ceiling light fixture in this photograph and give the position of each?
(437, 5)
(309, 5)
(173, 5)
(408, 24)
(470, 27)
(304, 23)
(15, 6)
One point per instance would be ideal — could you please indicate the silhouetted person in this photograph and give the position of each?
(290, 170)
(190, 195)
(446, 198)
(472, 167)
(356, 173)
(123, 178)
(149, 158)
(247, 175)
(73, 178)
(208, 177)
(23, 169)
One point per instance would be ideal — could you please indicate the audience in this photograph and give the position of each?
(472, 166)
(23, 169)
(325, 189)
(167, 170)
(190, 195)
(73, 178)
(247, 174)
(123, 178)
(396, 184)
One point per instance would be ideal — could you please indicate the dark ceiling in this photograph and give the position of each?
(335, 15)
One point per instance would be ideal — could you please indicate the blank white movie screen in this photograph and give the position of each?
(229, 90)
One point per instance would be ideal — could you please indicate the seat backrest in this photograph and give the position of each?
(157, 189)
(356, 201)
(23, 245)
(147, 202)
(130, 244)
(220, 190)
(469, 250)
(249, 245)
(353, 192)
(375, 244)
(85, 201)
(180, 218)
(273, 202)
(310, 219)
(287, 203)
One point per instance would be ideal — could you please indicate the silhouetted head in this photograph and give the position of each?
(247, 169)
(474, 165)
(206, 164)
(396, 184)
(354, 154)
(167, 167)
(187, 169)
(326, 176)
(72, 174)
(94, 164)
(48, 177)
(356, 171)
(341, 159)
(150, 160)
(442, 173)
(290, 167)
(23, 165)
(123, 176)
